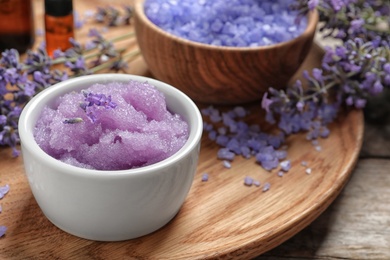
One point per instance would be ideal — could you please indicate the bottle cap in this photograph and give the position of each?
(58, 7)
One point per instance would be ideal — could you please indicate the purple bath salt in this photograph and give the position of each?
(236, 23)
(3, 229)
(113, 126)
(205, 177)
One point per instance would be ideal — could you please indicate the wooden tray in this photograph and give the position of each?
(221, 218)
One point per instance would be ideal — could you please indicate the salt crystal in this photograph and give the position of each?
(205, 177)
(3, 229)
(248, 181)
(240, 23)
(222, 130)
(266, 186)
(240, 111)
(227, 164)
(315, 142)
(285, 165)
(325, 132)
(271, 164)
(308, 171)
(256, 183)
(222, 140)
(225, 154)
(4, 190)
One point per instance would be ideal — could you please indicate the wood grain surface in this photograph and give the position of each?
(221, 218)
(356, 225)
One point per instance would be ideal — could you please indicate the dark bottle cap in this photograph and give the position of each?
(58, 7)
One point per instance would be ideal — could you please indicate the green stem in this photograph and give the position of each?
(123, 37)
(64, 59)
(325, 88)
(108, 64)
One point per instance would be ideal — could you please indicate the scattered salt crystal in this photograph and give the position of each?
(3, 229)
(240, 111)
(248, 181)
(318, 148)
(315, 142)
(222, 130)
(227, 164)
(225, 154)
(285, 165)
(4, 190)
(236, 137)
(270, 164)
(222, 140)
(245, 152)
(212, 135)
(207, 111)
(304, 163)
(205, 177)
(207, 127)
(215, 118)
(280, 173)
(308, 170)
(280, 154)
(266, 186)
(325, 132)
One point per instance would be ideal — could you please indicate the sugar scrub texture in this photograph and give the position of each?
(114, 126)
(236, 23)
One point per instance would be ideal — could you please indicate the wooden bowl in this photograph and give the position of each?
(217, 74)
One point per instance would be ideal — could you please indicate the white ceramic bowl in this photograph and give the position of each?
(110, 205)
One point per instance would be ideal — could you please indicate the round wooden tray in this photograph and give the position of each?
(221, 218)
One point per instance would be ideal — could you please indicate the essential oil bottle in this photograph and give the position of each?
(59, 25)
(16, 25)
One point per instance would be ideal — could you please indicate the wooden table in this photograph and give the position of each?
(357, 224)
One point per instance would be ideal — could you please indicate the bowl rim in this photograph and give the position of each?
(313, 18)
(35, 106)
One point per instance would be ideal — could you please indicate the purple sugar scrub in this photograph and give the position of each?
(237, 23)
(112, 126)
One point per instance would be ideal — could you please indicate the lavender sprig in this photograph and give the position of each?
(113, 17)
(350, 73)
(90, 104)
(21, 80)
(347, 19)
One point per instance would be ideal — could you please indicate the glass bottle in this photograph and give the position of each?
(16, 25)
(59, 25)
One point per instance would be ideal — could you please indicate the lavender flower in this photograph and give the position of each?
(114, 17)
(349, 19)
(21, 80)
(353, 72)
(90, 106)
